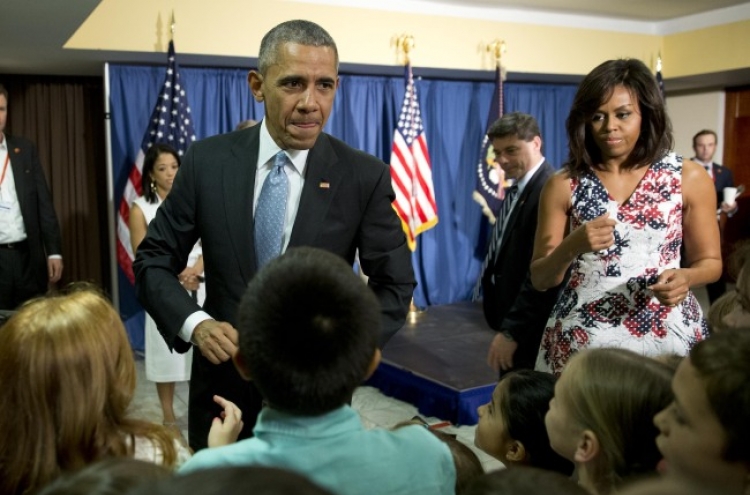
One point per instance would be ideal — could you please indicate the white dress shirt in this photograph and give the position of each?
(12, 228)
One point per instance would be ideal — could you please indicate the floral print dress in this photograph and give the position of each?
(606, 302)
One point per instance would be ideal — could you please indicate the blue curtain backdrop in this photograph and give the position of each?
(448, 257)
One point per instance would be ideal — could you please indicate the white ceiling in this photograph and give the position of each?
(642, 10)
(32, 32)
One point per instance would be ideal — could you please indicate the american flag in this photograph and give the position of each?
(491, 182)
(170, 123)
(659, 78)
(411, 172)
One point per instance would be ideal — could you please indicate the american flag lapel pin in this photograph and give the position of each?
(324, 184)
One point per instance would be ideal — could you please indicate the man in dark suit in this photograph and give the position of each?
(511, 305)
(704, 145)
(337, 198)
(30, 243)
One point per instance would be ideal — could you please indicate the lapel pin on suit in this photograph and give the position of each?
(16, 150)
(324, 184)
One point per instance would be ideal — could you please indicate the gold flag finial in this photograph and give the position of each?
(497, 48)
(171, 28)
(658, 62)
(404, 44)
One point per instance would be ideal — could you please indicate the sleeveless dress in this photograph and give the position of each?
(606, 302)
(163, 365)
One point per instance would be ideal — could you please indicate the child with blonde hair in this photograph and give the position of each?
(601, 416)
(68, 378)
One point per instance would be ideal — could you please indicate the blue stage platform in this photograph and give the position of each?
(438, 363)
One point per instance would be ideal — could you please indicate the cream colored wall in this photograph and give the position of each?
(363, 36)
(707, 50)
(234, 28)
(693, 112)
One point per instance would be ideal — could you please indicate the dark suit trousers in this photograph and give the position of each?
(17, 284)
(210, 379)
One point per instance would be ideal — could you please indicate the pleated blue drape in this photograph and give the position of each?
(448, 257)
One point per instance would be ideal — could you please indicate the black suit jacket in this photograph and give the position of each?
(722, 178)
(510, 301)
(345, 205)
(37, 210)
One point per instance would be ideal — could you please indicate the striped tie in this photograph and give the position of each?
(497, 236)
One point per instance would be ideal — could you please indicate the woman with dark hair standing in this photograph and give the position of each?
(616, 216)
(162, 365)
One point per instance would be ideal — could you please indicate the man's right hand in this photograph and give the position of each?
(217, 340)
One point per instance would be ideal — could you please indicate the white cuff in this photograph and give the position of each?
(192, 321)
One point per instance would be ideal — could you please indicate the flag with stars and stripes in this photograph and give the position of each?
(491, 183)
(660, 79)
(411, 171)
(171, 123)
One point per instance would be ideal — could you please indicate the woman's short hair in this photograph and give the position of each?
(655, 139)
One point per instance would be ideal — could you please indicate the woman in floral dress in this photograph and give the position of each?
(617, 216)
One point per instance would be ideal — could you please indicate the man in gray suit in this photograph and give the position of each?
(30, 243)
(337, 198)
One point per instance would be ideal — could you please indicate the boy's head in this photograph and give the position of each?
(704, 433)
(308, 331)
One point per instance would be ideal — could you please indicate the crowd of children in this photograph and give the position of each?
(613, 417)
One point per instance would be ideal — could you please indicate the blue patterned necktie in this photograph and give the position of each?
(497, 235)
(271, 211)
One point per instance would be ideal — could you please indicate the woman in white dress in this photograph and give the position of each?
(162, 365)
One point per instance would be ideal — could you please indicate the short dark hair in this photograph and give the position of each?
(705, 132)
(526, 480)
(113, 476)
(297, 31)
(522, 125)
(467, 464)
(655, 138)
(308, 330)
(523, 407)
(3, 91)
(722, 362)
(152, 154)
(235, 479)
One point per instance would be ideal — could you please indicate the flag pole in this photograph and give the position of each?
(404, 44)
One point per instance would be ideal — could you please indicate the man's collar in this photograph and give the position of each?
(268, 148)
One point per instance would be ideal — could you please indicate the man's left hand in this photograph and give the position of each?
(54, 269)
(501, 353)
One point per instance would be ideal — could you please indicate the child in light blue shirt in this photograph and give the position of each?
(308, 331)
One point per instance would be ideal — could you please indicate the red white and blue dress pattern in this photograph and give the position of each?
(606, 302)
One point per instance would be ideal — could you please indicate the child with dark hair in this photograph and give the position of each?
(511, 426)
(308, 333)
(524, 480)
(704, 433)
(114, 476)
(253, 480)
(468, 466)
